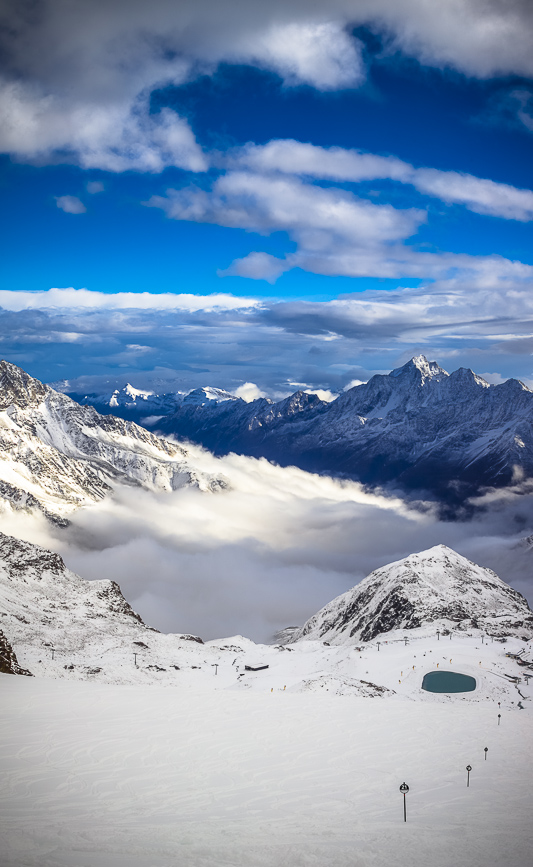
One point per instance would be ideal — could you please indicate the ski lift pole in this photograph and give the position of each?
(404, 788)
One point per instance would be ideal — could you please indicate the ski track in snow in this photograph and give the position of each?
(136, 776)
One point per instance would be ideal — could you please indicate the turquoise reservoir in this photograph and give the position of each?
(448, 681)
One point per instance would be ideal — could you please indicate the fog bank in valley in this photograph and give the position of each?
(269, 551)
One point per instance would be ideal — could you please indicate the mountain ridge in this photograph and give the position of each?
(56, 455)
(430, 433)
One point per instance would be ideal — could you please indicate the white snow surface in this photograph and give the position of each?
(436, 586)
(141, 776)
(130, 748)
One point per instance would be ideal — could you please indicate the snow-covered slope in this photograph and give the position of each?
(60, 625)
(57, 455)
(437, 587)
(57, 625)
(419, 427)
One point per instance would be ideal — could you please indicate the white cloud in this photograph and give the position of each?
(321, 54)
(95, 187)
(77, 76)
(269, 552)
(83, 298)
(113, 137)
(325, 223)
(323, 394)
(249, 391)
(70, 204)
(477, 194)
(336, 232)
(334, 163)
(296, 158)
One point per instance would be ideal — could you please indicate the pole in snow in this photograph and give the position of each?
(468, 769)
(215, 666)
(379, 642)
(499, 718)
(135, 659)
(486, 751)
(438, 634)
(404, 788)
(53, 651)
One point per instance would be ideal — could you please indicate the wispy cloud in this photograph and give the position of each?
(95, 187)
(480, 195)
(339, 233)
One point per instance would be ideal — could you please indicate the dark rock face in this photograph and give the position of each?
(8, 659)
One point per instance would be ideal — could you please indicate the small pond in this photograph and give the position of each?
(448, 681)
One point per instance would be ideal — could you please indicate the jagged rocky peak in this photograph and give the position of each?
(436, 586)
(18, 387)
(420, 369)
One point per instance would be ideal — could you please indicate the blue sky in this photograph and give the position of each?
(352, 181)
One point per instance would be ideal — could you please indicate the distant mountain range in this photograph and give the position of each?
(419, 429)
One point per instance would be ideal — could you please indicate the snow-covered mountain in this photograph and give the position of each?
(55, 624)
(418, 428)
(58, 624)
(437, 586)
(144, 406)
(56, 455)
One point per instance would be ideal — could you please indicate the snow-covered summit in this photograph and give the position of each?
(56, 455)
(436, 586)
(207, 395)
(420, 368)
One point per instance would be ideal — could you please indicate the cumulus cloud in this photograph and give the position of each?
(70, 204)
(77, 77)
(95, 187)
(115, 138)
(321, 53)
(249, 391)
(269, 552)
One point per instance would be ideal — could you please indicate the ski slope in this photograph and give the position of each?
(146, 776)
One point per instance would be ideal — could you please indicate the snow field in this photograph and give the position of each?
(144, 776)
